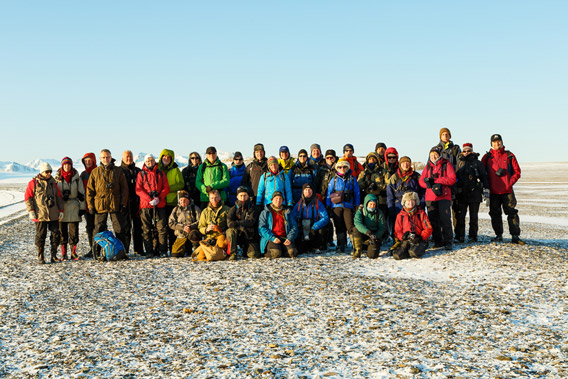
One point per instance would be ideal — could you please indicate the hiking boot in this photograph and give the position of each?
(459, 240)
(472, 239)
(74, 255)
(497, 238)
(448, 246)
(233, 257)
(89, 254)
(63, 252)
(517, 241)
(40, 256)
(356, 254)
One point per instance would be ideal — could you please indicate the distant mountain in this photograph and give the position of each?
(15, 167)
(55, 164)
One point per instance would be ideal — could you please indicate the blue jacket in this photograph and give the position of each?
(397, 187)
(314, 211)
(300, 176)
(348, 184)
(269, 183)
(236, 173)
(265, 227)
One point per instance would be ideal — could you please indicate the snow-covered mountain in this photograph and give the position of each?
(15, 167)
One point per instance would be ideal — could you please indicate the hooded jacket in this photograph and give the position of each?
(444, 174)
(254, 172)
(286, 164)
(175, 180)
(350, 188)
(270, 183)
(87, 173)
(313, 210)
(354, 165)
(374, 180)
(40, 194)
(236, 173)
(416, 222)
(391, 167)
(214, 175)
(471, 178)
(182, 217)
(107, 190)
(150, 180)
(494, 160)
(373, 221)
(265, 223)
(325, 174)
(76, 200)
(189, 175)
(300, 175)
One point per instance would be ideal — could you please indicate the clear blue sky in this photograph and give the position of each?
(79, 76)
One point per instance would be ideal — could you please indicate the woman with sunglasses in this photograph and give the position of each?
(45, 207)
(189, 174)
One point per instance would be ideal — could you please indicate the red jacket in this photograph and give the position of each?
(444, 174)
(152, 180)
(416, 222)
(493, 160)
(356, 167)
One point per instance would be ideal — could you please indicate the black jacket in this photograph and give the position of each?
(244, 217)
(471, 178)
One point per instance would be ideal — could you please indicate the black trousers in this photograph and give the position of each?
(440, 215)
(132, 229)
(277, 250)
(318, 240)
(101, 225)
(90, 227)
(507, 202)
(236, 237)
(462, 207)
(171, 235)
(41, 233)
(69, 233)
(148, 225)
(409, 250)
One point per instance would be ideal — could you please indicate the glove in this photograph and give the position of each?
(429, 181)
(60, 216)
(208, 189)
(33, 215)
(154, 202)
(81, 213)
(405, 236)
(416, 240)
(80, 196)
(91, 211)
(486, 193)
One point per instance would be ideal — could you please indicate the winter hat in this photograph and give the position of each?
(405, 159)
(284, 149)
(307, 185)
(342, 163)
(348, 146)
(259, 146)
(436, 149)
(66, 160)
(183, 194)
(410, 196)
(372, 154)
(445, 130)
(315, 146)
(271, 160)
(302, 151)
(380, 144)
(238, 154)
(211, 150)
(330, 152)
(148, 156)
(242, 189)
(277, 193)
(44, 166)
(467, 146)
(496, 137)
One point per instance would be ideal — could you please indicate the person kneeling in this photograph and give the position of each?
(311, 217)
(412, 228)
(277, 229)
(243, 227)
(213, 220)
(369, 227)
(183, 221)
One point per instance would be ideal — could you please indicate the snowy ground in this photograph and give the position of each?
(484, 310)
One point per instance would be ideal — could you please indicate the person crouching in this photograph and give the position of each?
(369, 228)
(242, 221)
(213, 220)
(277, 229)
(184, 221)
(412, 228)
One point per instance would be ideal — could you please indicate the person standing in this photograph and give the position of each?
(131, 214)
(256, 169)
(45, 207)
(189, 175)
(107, 194)
(72, 192)
(301, 173)
(272, 181)
(285, 160)
(90, 163)
(236, 174)
(212, 175)
(503, 172)
(168, 165)
(348, 154)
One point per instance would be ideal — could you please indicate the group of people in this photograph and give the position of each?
(277, 206)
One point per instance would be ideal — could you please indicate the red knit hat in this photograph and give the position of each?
(468, 145)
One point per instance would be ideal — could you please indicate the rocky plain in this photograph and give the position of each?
(483, 310)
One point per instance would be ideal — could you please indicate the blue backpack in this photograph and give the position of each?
(112, 246)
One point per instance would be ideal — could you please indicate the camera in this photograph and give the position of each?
(437, 189)
(347, 197)
(109, 185)
(65, 195)
(500, 172)
(153, 194)
(50, 202)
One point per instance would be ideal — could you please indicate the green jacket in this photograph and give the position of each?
(215, 175)
(173, 174)
(365, 221)
(211, 216)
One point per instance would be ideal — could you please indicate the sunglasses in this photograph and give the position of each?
(343, 167)
(329, 157)
(302, 156)
(192, 158)
(391, 158)
(48, 171)
(238, 159)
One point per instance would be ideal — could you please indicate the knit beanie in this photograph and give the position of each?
(277, 193)
(44, 166)
(66, 160)
(436, 149)
(445, 130)
(342, 163)
(380, 144)
(271, 160)
(211, 150)
(467, 146)
(348, 146)
(238, 154)
(315, 146)
(405, 159)
(302, 151)
(330, 152)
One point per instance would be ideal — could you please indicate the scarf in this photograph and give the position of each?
(404, 175)
(67, 175)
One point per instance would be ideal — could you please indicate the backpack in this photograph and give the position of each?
(112, 246)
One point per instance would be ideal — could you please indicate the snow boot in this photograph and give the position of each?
(497, 238)
(74, 255)
(63, 252)
(54, 258)
(40, 256)
(356, 254)
(341, 242)
(517, 241)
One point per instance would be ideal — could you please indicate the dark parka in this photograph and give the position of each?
(254, 171)
(107, 189)
(301, 174)
(244, 217)
(450, 152)
(325, 174)
(471, 178)
(374, 181)
(398, 185)
(38, 192)
(131, 174)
